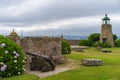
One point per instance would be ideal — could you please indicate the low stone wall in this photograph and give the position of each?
(105, 50)
(78, 48)
(74, 42)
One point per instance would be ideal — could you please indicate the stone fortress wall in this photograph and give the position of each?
(41, 45)
(50, 46)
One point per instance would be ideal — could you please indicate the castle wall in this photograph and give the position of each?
(42, 45)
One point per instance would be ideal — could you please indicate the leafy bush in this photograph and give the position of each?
(114, 37)
(65, 47)
(92, 38)
(107, 45)
(83, 42)
(97, 44)
(12, 59)
(117, 43)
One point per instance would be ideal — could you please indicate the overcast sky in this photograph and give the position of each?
(56, 17)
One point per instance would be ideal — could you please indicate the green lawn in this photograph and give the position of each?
(89, 73)
(110, 70)
(23, 77)
(112, 58)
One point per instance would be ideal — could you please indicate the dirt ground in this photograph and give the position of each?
(69, 65)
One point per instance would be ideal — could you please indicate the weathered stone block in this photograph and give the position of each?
(105, 50)
(91, 62)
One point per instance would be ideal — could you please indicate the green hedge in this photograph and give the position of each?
(65, 47)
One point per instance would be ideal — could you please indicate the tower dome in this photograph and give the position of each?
(106, 17)
(13, 34)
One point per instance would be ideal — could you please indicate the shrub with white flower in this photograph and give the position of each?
(12, 59)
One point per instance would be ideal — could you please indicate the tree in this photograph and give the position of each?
(92, 38)
(83, 42)
(117, 43)
(114, 37)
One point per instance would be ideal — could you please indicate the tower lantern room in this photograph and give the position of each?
(106, 19)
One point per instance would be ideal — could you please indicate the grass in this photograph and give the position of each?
(107, 58)
(89, 73)
(110, 70)
(23, 77)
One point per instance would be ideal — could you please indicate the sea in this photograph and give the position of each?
(71, 37)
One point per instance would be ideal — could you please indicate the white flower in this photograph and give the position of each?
(24, 57)
(23, 65)
(15, 56)
(15, 61)
(3, 45)
(6, 52)
(1, 63)
(23, 69)
(19, 73)
(14, 52)
(23, 61)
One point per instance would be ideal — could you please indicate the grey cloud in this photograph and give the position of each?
(6, 3)
(62, 9)
(73, 30)
(75, 8)
(58, 10)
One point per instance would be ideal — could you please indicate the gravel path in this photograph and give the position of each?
(45, 74)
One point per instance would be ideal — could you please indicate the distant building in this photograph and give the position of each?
(106, 34)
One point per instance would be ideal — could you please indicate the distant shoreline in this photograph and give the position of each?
(74, 37)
